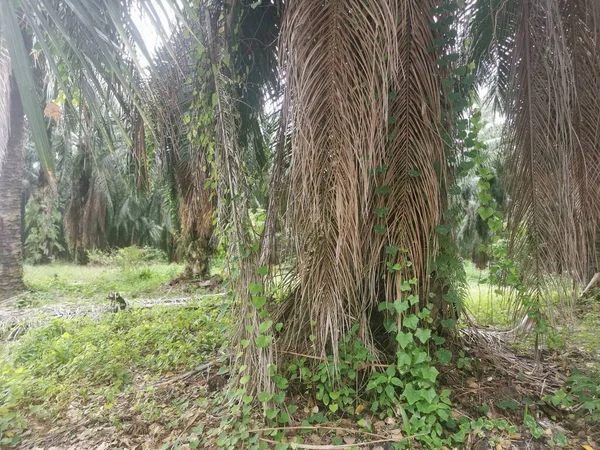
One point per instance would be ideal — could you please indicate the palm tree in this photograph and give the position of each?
(90, 50)
(11, 157)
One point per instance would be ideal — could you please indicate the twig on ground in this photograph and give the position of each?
(319, 427)
(186, 375)
(339, 446)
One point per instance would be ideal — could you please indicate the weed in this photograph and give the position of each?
(51, 365)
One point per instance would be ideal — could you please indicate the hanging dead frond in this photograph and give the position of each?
(545, 207)
(583, 19)
(365, 107)
(415, 150)
(338, 69)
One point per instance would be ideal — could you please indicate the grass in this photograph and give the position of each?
(70, 283)
(106, 369)
(83, 360)
(484, 302)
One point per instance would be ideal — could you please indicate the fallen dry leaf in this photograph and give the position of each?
(349, 439)
(360, 408)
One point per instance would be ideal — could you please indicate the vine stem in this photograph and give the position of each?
(339, 446)
(318, 427)
(318, 358)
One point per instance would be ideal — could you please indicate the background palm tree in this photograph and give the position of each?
(89, 50)
(11, 163)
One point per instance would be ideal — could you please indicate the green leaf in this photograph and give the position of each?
(448, 323)
(265, 326)
(429, 394)
(259, 302)
(400, 306)
(392, 250)
(485, 212)
(263, 341)
(379, 229)
(397, 382)
(413, 299)
(403, 339)
(494, 224)
(423, 334)
(333, 407)
(484, 185)
(389, 390)
(414, 172)
(444, 356)
(484, 197)
(460, 71)
(411, 394)
(255, 4)
(383, 190)
(262, 271)
(430, 373)
(410, 321)
(271, 413)
(403, 359)
(264, 397)
(255, 288)
(381, 212)
(383, 306)
(419, 356)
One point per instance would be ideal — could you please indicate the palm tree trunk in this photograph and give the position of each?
(11, 257)
(197, 259)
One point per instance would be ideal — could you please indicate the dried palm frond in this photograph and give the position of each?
(337, 82)
(415, 149)
(545, 207)
(365, 113)
(583, 19)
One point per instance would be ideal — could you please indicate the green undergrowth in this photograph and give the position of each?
(70, 283)
(132, 271)
(487, 306)
(50, 367)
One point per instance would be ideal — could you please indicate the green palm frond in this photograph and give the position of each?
(492, 26)
(93, 50)
(21, 67)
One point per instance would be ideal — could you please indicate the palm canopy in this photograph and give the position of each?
(90, 51)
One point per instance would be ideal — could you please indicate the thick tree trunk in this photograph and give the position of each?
(197, 259)
(11, 257)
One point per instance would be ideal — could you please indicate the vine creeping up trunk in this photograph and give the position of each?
(11, 259)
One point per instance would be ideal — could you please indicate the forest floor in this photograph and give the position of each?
(149, 377)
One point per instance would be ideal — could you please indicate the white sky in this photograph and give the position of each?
(146, 27)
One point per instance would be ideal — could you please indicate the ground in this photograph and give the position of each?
(79, 376)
